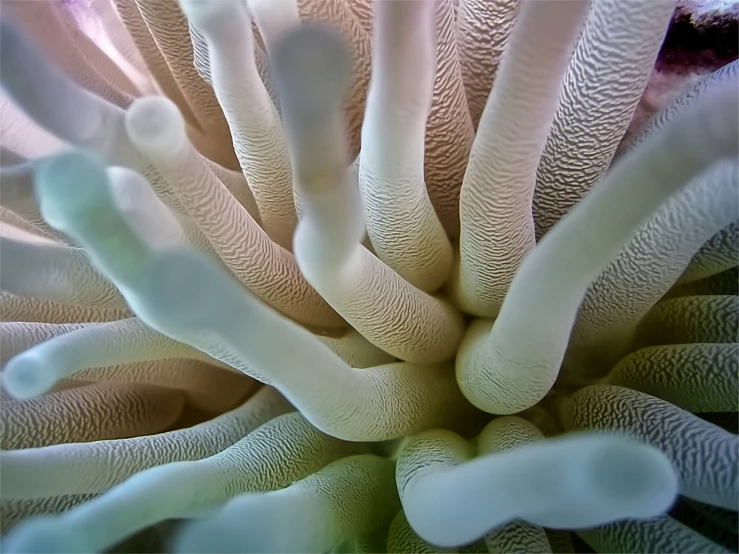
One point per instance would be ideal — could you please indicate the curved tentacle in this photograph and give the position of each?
(93, 412)
(525, 347)
(651, 263)
(33, 310)
(705, 456)
(483, 28)
(718, 254)
(541, 483)
(690, 319)
(94, 467)
(346, 498)
(188, 298)
(416, 327)
(279, 452)
(156, 127)
(662, 535)
(604, 82)
(255, 125)
(401, 223)
(497, 229)
(695, 377)
(31, 267)
(36, 370)
(501, 435)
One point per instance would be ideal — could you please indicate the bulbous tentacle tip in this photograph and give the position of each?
(206, 14)
(69, 185)
(312, 70)
(28, 375)
(154, 124)
(635, 479)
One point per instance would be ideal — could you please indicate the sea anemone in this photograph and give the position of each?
(356, 276)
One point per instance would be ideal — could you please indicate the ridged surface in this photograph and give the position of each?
(266, 268)
(705, 456)
(94, 412)
(337, 15)
(32, 310)
(15, 337)
(483, 27)
(696, 377)
(168, 27)
(704, 86)
(718, 254)
(500, 435)
(655, 257)
(449, 131)
(207, 388)
(403, 540)
(605, 80)
(94, 467)
(253, 121)
(401, 223)
(58, 273)
(691, 319)
(659, 535)
(497, 228)
(279, 452)
(348, 497)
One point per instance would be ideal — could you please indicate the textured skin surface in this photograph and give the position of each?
(506, 433)
(19, 336)
(348, 497)
(605, 80)
(254, 123)
(720, 253)
(575, 252)
(401, 223)
(497, 228)
(500, 435)
(11, 219)
(663, 535)
(209, 389)
(517, 537)
(118, 342)
(695, 377)
(689, 319)
(403, 540)
(483, 27)
(94, 412)
(94, 467)
(13, 512)
(449, 131)
(315, 366)
(705, 456)
(391, 313)
(726, 282)
(337, 14)
(654, 259)
(15, 308)
(279, 452)
(16, 194)
(168, 27)
(528, 483)
(271, 271)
